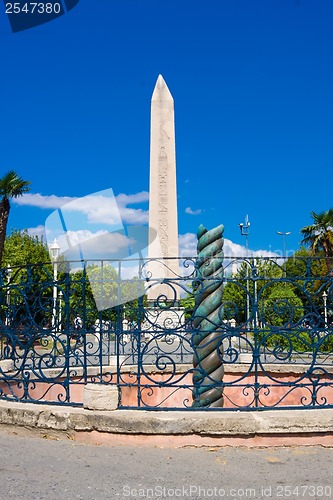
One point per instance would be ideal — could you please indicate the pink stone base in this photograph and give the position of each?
(276, 389)
(167, 441)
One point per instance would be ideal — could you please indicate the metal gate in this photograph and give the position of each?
(274, 323)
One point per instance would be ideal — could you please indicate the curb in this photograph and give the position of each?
(175, 428)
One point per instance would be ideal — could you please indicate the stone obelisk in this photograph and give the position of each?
(163, 220)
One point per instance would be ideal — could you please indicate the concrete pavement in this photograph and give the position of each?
(53, 467)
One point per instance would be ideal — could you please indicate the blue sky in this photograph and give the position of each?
(252, 82)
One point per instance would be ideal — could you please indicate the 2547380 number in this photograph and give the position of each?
(33, 8)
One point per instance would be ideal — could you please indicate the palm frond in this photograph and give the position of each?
(319, 236)
(13, 186)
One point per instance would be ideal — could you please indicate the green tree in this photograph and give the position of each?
(29, 261)
(282, 311)
(188, 303)
(302, 266)
(259, 273)
(234, 301)
(21, 249)
(97, 293)
(309, 275)
(11, 186)
(282, 307)
(319, 236)
(81, 299)
(28, 276)
(136, 300)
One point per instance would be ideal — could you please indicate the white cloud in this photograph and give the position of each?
(73, 238)
(188, 210)
(187, 245)
(98, 208)
(37, 231)
(188, 248)
(231, 250)
(115, 245)
(131, 199)
(89, 245)
(133, 215)
(94, 245)
(41, 201)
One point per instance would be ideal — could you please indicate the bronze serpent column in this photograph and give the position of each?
(207, 320)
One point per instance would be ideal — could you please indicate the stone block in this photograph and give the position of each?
(6, 365)
(100, 397)
(246, 358)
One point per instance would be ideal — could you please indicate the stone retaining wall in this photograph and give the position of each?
(276, 386)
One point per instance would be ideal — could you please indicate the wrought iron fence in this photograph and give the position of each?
(275, 340)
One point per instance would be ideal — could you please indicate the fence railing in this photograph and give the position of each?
(275, 336)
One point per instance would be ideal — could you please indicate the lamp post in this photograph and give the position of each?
(54, 251)
(284, 241)
(284, 249)
(245, 230)
(325, 307)
(60, 310)
(9, 275)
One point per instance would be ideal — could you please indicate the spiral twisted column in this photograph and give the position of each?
(207, 320)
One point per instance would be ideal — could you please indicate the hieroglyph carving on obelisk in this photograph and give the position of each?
(163, 218)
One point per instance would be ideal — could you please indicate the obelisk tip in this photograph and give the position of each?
(161, 91)
(160, 82)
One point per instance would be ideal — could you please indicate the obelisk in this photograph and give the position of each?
(163, 219)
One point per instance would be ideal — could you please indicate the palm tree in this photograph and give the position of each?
(11, 186)
(319, 236)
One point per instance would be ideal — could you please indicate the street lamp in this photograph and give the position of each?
(54, 251)
(245, 230)
(60, 309)
(284, 240)
(9, 275)
(284, 250)
(325, 307)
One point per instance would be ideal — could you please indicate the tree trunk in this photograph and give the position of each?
(4, 214)
(329, 264)
(328, 252)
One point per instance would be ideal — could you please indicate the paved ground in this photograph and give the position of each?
(53, 467)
